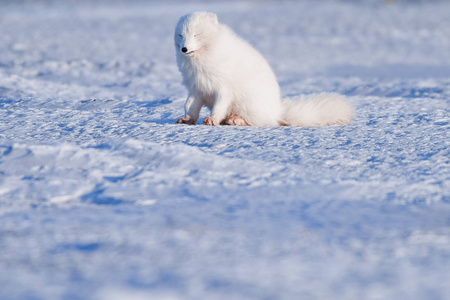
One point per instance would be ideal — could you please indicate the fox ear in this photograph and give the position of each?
(213, 18)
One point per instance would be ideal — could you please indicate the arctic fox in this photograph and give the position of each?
(231, 78)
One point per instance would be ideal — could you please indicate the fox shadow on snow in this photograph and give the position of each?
(151, 106)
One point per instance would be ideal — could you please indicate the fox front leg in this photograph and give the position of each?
(192, 110)
(220, 109)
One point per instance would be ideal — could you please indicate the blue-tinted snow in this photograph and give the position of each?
(103, 197)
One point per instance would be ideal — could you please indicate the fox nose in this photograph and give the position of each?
(184, 49)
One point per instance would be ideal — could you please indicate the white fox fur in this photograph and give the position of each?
(231, 78)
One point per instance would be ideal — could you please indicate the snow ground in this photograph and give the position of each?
(103, 197)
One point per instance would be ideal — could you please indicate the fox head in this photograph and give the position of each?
(194, 32)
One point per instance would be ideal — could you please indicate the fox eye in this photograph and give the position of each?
(180, 35)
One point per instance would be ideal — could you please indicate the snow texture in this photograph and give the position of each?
(103, 197)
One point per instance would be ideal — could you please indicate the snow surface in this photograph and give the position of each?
(103, 197)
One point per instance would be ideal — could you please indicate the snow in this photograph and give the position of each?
(103, 197)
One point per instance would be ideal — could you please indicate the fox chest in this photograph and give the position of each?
(204, 82)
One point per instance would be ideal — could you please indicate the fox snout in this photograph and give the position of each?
(188, 45)
(187, 50)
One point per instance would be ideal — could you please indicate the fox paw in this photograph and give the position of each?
(237, 121)
(209, 121)
(186, 120)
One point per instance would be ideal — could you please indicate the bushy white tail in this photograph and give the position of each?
(317, 110)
